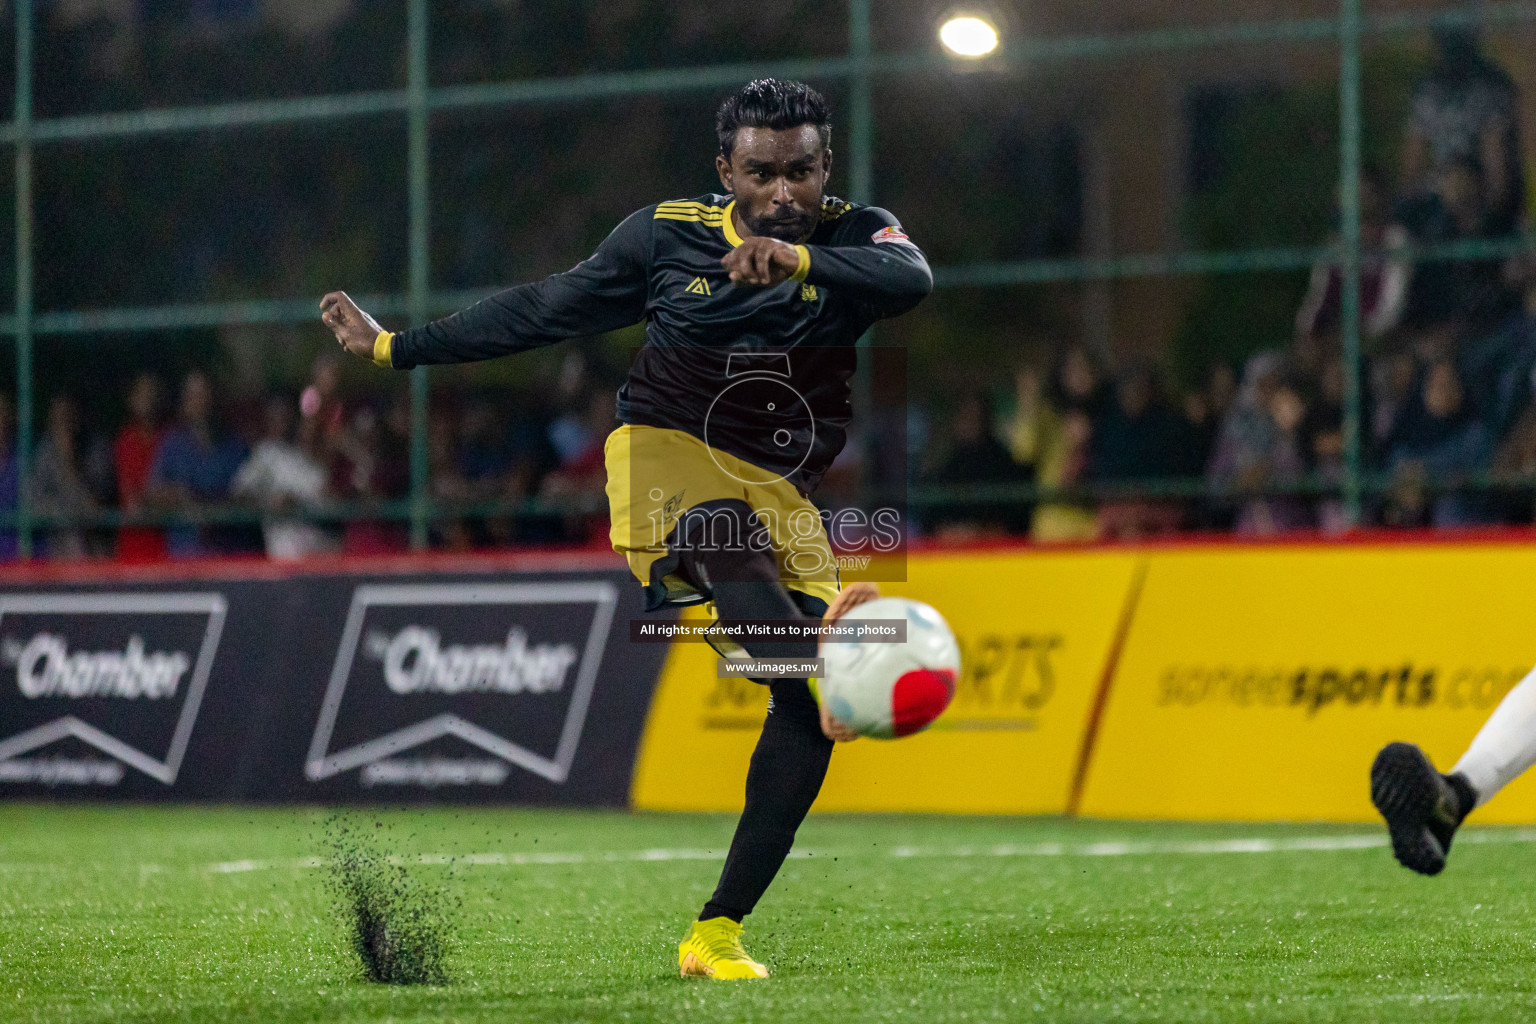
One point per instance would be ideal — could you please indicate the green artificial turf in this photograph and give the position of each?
(220, 914)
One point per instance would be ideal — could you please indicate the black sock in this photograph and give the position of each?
(1466, 796)
(787, 770)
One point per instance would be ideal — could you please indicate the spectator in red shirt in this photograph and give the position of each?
(132, 454)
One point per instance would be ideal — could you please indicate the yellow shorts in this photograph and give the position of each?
(656, 475)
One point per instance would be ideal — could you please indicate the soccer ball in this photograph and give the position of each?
(884, 689)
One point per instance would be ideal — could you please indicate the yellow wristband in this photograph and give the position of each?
(805, 263)
(381, 349)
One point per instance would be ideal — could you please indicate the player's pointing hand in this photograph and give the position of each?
(354, 329)
(761, 261)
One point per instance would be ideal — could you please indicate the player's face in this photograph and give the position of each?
(777, 178)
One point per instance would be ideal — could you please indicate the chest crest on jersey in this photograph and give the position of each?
(808, 293)
(698, 286)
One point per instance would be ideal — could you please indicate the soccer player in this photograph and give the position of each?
(734, 409)
(1424, 808)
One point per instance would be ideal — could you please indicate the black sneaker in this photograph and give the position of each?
(1423, 808)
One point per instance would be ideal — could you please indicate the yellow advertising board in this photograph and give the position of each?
(1035, 630)
(1258, 683)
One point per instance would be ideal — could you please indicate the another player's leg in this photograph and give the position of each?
(1423, 808)
(1505, 746)
(790, 761)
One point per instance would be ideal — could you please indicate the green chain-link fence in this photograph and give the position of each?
(859, 68)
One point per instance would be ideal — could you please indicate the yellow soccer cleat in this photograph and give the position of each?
(712, 949)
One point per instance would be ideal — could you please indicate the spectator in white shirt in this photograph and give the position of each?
(282, 475)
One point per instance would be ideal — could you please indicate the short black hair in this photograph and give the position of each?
(772, 103)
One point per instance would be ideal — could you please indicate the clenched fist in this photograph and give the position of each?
(356, 330)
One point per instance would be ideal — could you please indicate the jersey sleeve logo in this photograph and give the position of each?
(893, 233)
(832, 209)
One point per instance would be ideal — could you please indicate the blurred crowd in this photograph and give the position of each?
(1446, 380)
(192, 472)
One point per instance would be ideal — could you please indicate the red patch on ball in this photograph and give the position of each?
(919, 697)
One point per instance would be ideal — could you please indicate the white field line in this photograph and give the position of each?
(1361, 841)
(489, 859)
(1297, 844)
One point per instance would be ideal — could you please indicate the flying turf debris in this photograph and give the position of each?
(398, 927)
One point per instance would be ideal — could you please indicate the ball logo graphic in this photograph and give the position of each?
(758, 388)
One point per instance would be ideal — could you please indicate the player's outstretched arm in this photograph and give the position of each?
(604, 292)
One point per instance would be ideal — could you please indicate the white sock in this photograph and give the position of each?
(1506, 744)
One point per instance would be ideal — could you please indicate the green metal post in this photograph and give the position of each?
(861, 133)
(1349, 194)
(861, 117)
(23, 274)
(419, 243)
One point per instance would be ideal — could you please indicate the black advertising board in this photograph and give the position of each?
(342, 687)
(123, 674)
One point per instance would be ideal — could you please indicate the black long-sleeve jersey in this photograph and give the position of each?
(760, 373)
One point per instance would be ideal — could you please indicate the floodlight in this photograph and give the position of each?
(968, 36)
